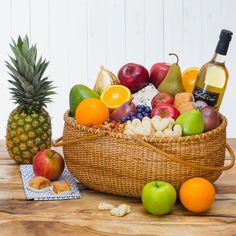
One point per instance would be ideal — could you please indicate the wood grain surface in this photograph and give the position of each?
(82, 217)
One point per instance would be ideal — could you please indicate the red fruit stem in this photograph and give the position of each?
(131, 100)
(173, 54)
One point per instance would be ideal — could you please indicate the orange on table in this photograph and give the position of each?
(197, 194)
(91, 111)
(189, 77)
(115, 95)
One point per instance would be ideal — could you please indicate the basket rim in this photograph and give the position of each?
(183, 139)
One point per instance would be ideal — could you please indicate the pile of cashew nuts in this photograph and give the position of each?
(120, 211)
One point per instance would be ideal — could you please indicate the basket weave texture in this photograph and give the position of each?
(119, 164)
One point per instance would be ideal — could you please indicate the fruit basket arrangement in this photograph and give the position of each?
(140, 127)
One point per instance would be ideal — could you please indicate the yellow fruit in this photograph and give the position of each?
(197, 194)
(189, 77)
(115, 95)
(91, 111)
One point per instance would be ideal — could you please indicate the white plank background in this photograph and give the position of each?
(77, 36)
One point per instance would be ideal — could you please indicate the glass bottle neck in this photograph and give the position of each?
(218, 58)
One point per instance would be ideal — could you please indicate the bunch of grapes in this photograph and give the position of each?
(142, 111)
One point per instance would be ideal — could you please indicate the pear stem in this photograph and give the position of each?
(173, 54)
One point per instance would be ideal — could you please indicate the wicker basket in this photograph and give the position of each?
(119, 164)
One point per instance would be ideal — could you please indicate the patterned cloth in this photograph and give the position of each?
(27, 174)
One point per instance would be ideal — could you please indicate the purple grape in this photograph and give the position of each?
(132, 117)
(139, 110)
(139, 116)
(131, 114)
(142, 107)
(148, 109)
(123, 119)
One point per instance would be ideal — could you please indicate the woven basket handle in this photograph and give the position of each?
(59, 142)
(189, 164)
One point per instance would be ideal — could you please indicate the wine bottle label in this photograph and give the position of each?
(209, 97)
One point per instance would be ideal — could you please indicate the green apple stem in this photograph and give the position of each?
(157, 185)
(51, 156)
(198, 108)
(177, 58)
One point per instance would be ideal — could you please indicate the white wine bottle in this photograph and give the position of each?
(213, 76)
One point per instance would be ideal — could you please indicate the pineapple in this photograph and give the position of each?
(29, 124)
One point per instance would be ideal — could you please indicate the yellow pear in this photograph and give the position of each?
(105, 79)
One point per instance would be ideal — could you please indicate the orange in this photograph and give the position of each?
(91, 111)
(115, 95)
(197, 194)
(189, 77)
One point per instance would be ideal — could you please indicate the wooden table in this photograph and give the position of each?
(81, 217)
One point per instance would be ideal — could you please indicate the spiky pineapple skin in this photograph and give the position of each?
(27, 134)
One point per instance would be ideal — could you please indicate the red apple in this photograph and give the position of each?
(162, 98)
(158, 72)
(165, 110)
(49, 164)
(133, 76)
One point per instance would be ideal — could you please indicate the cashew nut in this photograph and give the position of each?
(121, 210)
(103, 206)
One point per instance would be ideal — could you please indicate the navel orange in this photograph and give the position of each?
(197, 194)
(189, 77)
(91, 111)
(115, 95)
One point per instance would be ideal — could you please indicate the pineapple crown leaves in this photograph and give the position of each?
(30, 90)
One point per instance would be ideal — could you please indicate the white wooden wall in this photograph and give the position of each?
(78, 36)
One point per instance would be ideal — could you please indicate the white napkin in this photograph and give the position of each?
(27, 174)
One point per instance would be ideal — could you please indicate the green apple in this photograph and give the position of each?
(192, 122)
(158, 197)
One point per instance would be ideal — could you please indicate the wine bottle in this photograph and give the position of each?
(213, 76)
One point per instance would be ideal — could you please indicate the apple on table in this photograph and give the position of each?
(49, 164)
(158, 197)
